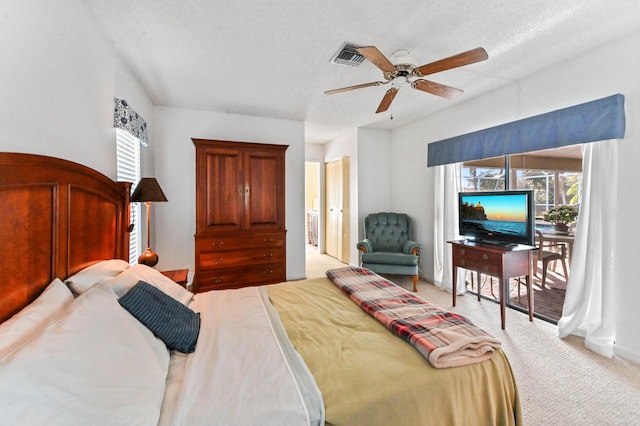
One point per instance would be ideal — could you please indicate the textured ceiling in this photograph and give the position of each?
(272, 58)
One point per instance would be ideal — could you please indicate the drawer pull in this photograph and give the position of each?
(462, 262)
(269, 272)
(267, 240)
(462, 251)
(217, 243)
(485, 267)
(268, 255)
(219, 261)
(217, 280)
(485, 256)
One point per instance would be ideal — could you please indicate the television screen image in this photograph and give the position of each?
(499, 217)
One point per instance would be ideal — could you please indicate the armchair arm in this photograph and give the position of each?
(411, 247)
(365, 246)
(559, 245)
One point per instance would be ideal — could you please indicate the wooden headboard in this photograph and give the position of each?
(56, 217)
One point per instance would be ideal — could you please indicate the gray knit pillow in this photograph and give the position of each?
(171, 321)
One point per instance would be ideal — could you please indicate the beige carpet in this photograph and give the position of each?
(560, 382)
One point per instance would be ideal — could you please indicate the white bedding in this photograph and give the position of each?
(241, 373)
(94, 365)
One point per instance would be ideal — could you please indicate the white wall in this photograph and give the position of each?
(175, 170)
(58, 78)
(611, 69)
(374, 180)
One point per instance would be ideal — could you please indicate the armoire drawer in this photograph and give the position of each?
(239, 241)
(241, 277)
(231, 258)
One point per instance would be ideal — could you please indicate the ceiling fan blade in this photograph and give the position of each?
(436, 88)
(455, 61)
(387, 99)
(357, 86)
(377, 58)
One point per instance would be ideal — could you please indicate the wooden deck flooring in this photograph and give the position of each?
(547, 302)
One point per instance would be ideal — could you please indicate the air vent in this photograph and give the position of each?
(348, 55)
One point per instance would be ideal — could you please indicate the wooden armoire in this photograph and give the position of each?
(240, 235)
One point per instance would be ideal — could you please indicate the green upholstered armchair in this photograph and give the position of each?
(387, 247)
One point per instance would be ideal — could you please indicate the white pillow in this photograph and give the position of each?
(32, 319)
(95, 365)
(123, 282)
(85, 279)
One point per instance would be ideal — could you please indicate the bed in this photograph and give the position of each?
(77, 346)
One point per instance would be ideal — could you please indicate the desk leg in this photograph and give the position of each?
(478, 278)
(501, 289)
(454, 290)
(529, 296)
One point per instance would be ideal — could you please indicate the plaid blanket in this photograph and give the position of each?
(445, 338)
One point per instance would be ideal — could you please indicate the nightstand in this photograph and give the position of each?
(178, 275)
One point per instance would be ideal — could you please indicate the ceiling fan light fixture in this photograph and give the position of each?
(399, 81)
(403, 57)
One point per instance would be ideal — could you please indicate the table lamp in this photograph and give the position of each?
(147, 191)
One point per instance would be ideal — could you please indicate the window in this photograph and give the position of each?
(555, 175)
(128, 170)
(484, 175)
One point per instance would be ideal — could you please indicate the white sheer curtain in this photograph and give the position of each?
(589, 302)
(447, 183)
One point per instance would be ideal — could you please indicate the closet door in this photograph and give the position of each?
(337, 209)
(332, 207)
(345, 212)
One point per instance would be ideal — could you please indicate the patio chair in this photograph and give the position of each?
(550, 252)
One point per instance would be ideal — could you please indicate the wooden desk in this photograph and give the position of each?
(498, 261)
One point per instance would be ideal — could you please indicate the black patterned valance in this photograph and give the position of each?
(125, 118)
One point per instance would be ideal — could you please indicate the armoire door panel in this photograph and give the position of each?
(263, 207)
(224, 196)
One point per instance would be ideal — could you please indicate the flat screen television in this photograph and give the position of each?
(497, 217)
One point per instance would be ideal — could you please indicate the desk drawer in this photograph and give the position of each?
(478, 265)
(477, 260)
(473, 254)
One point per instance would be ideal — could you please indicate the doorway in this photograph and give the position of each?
(312, 203)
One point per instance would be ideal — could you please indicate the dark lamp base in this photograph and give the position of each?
(148, 258)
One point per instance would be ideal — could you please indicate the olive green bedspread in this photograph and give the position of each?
(368, 376)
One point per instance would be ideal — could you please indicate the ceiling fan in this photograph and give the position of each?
(402, 69)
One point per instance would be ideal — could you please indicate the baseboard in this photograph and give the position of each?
(626, 354)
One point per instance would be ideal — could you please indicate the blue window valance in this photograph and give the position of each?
(127, 119)
(593, 121)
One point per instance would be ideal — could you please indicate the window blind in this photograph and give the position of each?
(128, 170)
(598, 120)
